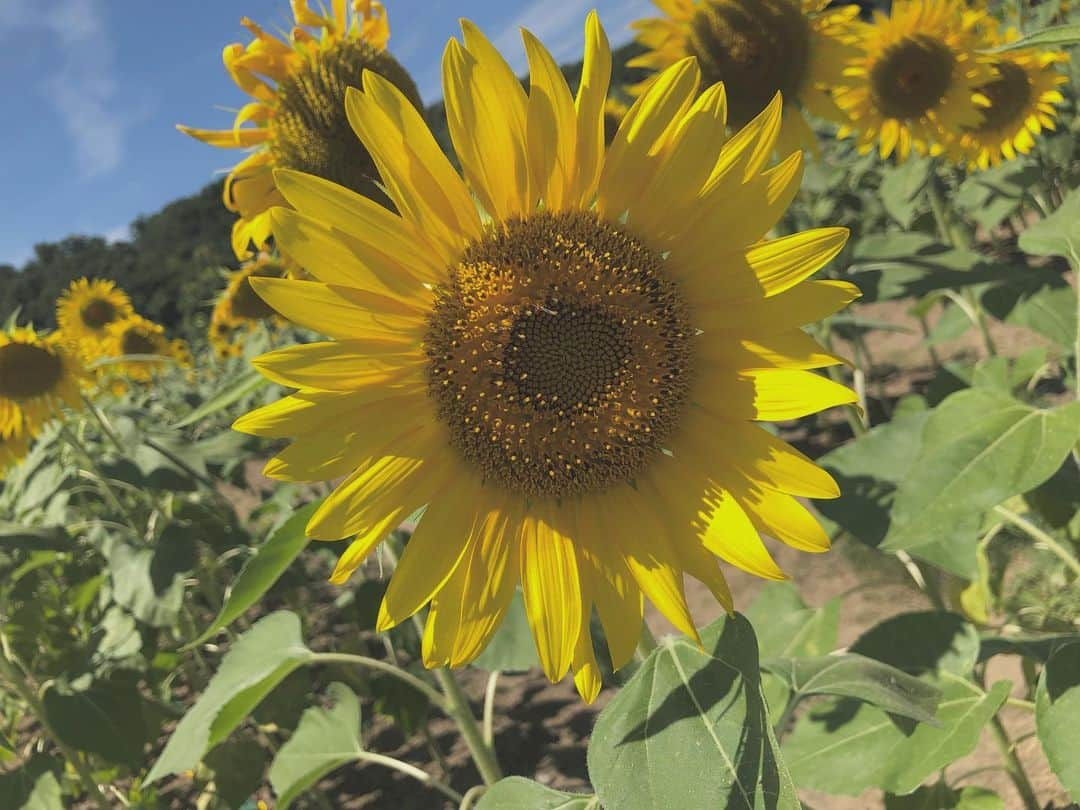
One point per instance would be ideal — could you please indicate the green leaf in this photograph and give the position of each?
(1059, 233)
(992, 195)
(150, 582)
(34, 786)
(255, 664)
(1050, 312)
(979, 448)
(246, 384)
(845, 747)
(106, 719)
(923, 642)
(942, 797)
(868, 471)
(900, 187)
(691, 724)
(512, 649)
(1057, 711)
(325, 740)
(1055, 36)
(855, 676)
(261, 571)
(238, 766)
(1039, 647)
(786, 627)
(518, 793)
(33, 538)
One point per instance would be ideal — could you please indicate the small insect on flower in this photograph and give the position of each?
(298, 114)
(87, 307)
(38, 376)
(913, 85)
(568, 383)
(758, 48)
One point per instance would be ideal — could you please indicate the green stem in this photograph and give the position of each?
(24, 690)
(1013, 766)
(418, 684)
(411, 770)
(1020, 703)
(1038, 535)
(457, 706)
(179, 462)
(489, 709)
(103, 423)
(99, 477)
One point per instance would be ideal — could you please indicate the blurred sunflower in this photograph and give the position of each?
(87, 307)
(141, 340)
(299, 108)
(1017, 104)
(757, 48)
(13, 449)
(238, 310)
(913, 85)
(37, 376)
(569, 385)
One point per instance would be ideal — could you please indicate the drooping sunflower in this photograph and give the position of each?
(141, 340)
(38, 375)
(1017, 104)
(569, 383)
(88, 306)
(913, 85)
(298, 114)
(238, 310)
(13, 449)
(757, 48)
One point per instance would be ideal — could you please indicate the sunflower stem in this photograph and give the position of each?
(99, 477)
(103, 423)
(457, 706)
(411, 770)
(954, 235)
(1013, 766)
(10, 672)
(420, 685)
(1041, 537)
(489, 708)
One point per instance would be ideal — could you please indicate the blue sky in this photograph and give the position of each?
(92, 89)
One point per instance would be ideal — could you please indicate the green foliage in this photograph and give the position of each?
(517, 793)
(1057, 707)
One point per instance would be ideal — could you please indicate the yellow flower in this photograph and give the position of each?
(37, 376)
(141, 340)
(913, 85)
(569, 382)
(1017, 104)
(757, 48)
(87, 307)
(298, 112)
(238, 310)
(13, 449)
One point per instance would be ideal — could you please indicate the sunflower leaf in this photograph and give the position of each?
(690, 728)
(1057, 706)
(518, 793)
(1056, 36)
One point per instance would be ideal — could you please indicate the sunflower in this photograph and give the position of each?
(139, 348)
(238, 310)
(298, 112)
(87, 307)
(914, 83)
(37, 376)
(757, 48)
(13, 449)
(567, 382)
(1017, 104)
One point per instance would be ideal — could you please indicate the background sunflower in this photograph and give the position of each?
(87, 307)
(38, 375)
(141, 340)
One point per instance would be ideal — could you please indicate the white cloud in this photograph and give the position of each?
(121, 233)
(82, 87)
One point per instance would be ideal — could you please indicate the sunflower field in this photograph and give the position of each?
(692, 425)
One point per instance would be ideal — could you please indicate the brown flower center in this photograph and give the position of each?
(311, 132)
(912, 77)
(755, 47)
(28, 371)
(1009, 93)
(97, 313)
(560, 355)
(137, 340)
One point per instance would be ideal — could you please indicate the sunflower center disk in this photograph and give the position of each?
(560, 355)
(912, 77)
(137, 341)
(311, 132)
(97, 313)
(755, 47)
(28, 371)
(1009, 94)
